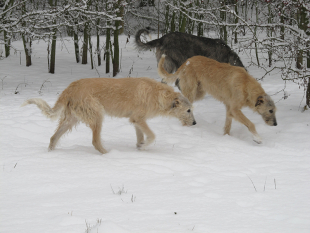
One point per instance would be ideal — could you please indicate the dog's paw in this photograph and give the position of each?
(141, 146)
(257, 139)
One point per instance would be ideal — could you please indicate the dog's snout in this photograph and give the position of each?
(275, 123)
(194, 123)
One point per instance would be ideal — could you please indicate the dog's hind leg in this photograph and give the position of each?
(96, 128)
(143, 128)
(239, 116)
(64, 125)
(140, 136)
(228, 121)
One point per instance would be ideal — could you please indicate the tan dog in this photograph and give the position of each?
(138, 99)
(229, 84)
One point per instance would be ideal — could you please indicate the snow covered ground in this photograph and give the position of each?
(192, 179)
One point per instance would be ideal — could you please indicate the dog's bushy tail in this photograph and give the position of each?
(166, 77)
(145, 46)
(52, 113)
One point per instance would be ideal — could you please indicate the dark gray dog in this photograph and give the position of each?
(179, 46)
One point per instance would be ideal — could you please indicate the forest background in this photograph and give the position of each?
(274, 34)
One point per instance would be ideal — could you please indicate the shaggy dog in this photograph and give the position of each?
(179, 46)
(229, 84)
(138, 99)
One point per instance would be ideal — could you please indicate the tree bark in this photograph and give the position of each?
(76, 45)
(91, 52)
(269, 33)
(117, 31)
(98, 44)
(107, 51)
(255, 30)
(6, 37)
(53, 46)
(308, 94)
(53, 54)
(223, 28)
(116, 50)
(27, 48)
(236, 20)
(7, 43)
(85, 44)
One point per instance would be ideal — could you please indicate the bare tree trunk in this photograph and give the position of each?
(98, 44)
(76, 45)
(85, 44)
(282, 22)
(7, 43)
(269, 33)
(236, 20)
(255, 31)
(308, 56)
(91, 52)
(117, 31)
(27, 48)
(53, 54)
(183, 20)
(53, 3)
(302, 24)
(107, 43)
(308, 94)
(26, 40)
(172, 25)
(167, 20)
(6, 37)
(223, 29)
(200, 24)
(116, 50)
(107, 51)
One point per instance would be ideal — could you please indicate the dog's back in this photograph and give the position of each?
(117, 97)
(179, 46)
(200, 75)
(222, 80)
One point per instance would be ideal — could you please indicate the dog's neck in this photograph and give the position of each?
(253, 94)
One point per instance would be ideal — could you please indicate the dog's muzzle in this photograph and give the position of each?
(194, 123)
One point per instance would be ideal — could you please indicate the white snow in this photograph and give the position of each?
(187, 63)
(192, 179)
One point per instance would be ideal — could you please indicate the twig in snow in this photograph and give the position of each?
(2, 81)
(16, 90)
(42, 86)
(252, 183)
(275, 184)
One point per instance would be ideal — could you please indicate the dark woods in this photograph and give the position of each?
(274, 34)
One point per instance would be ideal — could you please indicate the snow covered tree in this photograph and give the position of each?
(4, 17)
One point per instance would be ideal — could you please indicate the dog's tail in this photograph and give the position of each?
(166, 77)
(52, 113)
(145, 46)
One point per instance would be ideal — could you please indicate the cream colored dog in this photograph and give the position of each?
(138, 99)
(229, 84)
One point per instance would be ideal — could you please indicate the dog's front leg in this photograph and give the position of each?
(239, 116)
(143, 128)
(228, 121)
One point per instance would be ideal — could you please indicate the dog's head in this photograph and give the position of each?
(183, 110)
(266, 108)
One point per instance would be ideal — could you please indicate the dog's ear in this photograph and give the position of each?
(176, 103)
(259, 101)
